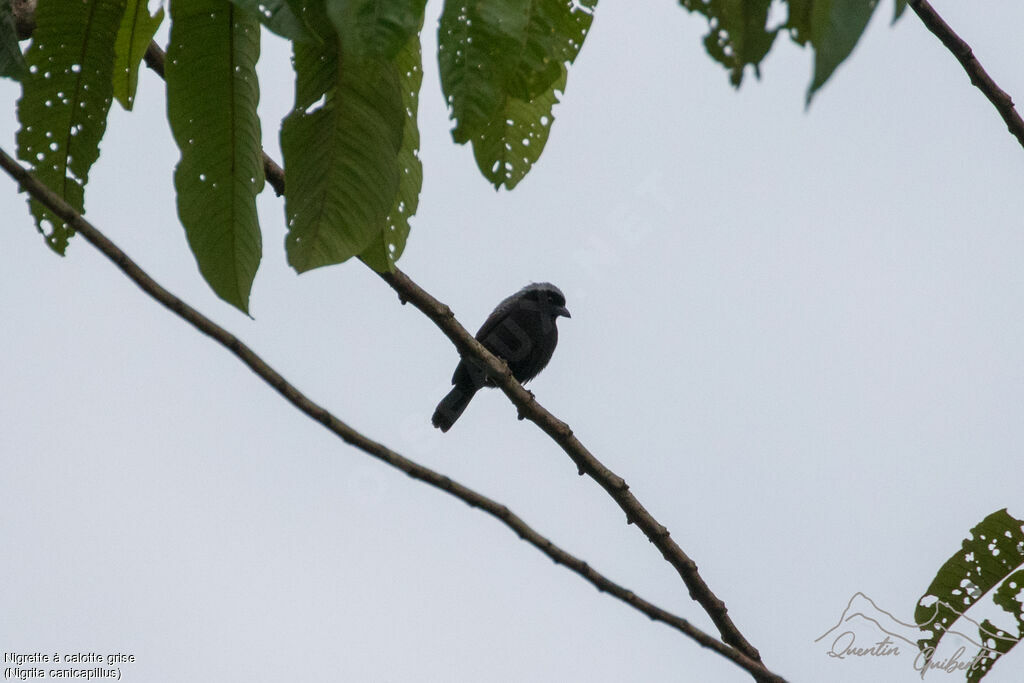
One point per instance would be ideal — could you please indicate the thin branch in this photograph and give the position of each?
(155, 58)
(586, 463)
(51, 200)
(999, 98)
(528, 407)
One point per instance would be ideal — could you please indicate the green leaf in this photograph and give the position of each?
(836, 26)
(992, 556)
(277, 15)
(12, 63)
(133, 37)
(388, 245)
(737, 33)
(491, 50)
(901, 6)
(375, 28)
(510, 145)
(212, 94)
(65, 98)
(341, 147)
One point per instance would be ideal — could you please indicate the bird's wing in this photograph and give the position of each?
(495, 318)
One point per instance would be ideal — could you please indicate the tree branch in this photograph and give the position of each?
(586, 463)
(979, 77)
(51, 200)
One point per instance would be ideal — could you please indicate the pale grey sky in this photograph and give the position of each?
(797, 335)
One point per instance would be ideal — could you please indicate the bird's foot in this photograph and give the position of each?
(519, 411)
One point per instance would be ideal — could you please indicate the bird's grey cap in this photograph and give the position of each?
(542, 287)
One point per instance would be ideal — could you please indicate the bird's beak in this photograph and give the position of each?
(562, 310)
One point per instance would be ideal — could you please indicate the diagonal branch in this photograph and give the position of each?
(80, 225)
(979, 77)
(586, 463)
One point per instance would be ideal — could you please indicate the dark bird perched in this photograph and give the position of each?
(521, 331)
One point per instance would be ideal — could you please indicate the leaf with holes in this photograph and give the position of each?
(492, 50)
(12, 63)
(133, 37)
(341, 147)
(1006, 596)
(737, 33)
(510, 145)
(212, 94)
(387, 246)
(992, 557)
(65, 98)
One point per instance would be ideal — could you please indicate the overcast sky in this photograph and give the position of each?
(796, 334)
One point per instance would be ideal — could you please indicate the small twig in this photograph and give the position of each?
(154, 58)
(80, 225)
(979, 77)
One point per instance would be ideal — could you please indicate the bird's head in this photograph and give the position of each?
(544, 297)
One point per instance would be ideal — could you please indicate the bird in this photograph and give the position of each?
(521, 331)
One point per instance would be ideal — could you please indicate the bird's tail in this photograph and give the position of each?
(451, 406)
